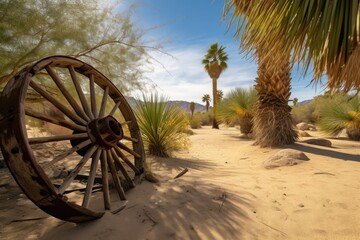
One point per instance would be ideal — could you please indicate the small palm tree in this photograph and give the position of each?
(215, 62)
(341, 112)
(206, 99)
(162, 125)
(238, 106)
(295, 101)
(192, 108)
(220, 95)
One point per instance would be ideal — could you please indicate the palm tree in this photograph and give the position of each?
(215, 62)
(206, 99)
(238, 106)
(324, 34)
(220, 95)
(192, 108)
(273, 123)
(295, 101)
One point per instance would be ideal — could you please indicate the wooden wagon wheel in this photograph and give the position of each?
(91, 134)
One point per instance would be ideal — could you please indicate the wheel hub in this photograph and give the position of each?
(106, 131)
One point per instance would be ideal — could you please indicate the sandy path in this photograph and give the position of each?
(227, 194)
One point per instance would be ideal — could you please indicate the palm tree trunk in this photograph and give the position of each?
(273, 124)
(214, 87)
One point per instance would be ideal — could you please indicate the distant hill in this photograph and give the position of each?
(303, 103)
(184, 105)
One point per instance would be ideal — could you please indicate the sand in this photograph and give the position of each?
(226, 194)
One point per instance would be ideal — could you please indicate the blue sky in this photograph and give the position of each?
(185, 29)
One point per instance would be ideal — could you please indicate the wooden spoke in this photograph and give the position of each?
(80, 93)
(93, 96)
(68, 152)
(103, 102)
(66, 94)
(53, 120)
(123, 123)
(105, 180)
(115, 177)
(57, 138)
(126, 160)
(115, 108)
(127, 149)
(57, 104)
(122, 168)
(90, 182)
(76, 170)
(130, 139)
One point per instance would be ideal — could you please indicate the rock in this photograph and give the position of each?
(303, 134)
(319, 141)
(312, 127)
(302, 126)
(285, 157)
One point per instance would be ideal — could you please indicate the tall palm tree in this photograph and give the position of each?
(273, 124)
(206, 99)
(220, 95)
(324, 34)
(192, 108)
(215, 62)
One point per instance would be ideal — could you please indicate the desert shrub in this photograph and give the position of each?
(238, 107)
(309, 113)
(162, 126)
(196, 121)
(341, 112)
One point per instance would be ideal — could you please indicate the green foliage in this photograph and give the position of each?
(309, 113)
(206, 99)
(237, 105)
(341, 112)
(196, 121)
(90, 30)
(162, 126)
(192, 108)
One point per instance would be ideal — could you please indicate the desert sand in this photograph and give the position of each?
(226, 194)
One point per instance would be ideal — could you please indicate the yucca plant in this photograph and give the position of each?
(341, 112)
(238, 106)
(162, 125)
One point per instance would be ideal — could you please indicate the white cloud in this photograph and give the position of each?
(182, 77)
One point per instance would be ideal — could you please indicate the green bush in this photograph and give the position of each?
(196, 121)
(162, 126)
(341, 112)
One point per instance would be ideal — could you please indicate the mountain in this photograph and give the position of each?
(184, 105)
(303, 103)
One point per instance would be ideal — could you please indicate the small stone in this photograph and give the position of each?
(301, 205)
(303, 134)
(302, 126)
(285, 157)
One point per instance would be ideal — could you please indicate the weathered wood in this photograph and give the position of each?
(80, 93)
(103, 102)
(126, 160)
(38, 140)
(131, 139)
(105, 179)
(90, 183)
(66, 94)
(127, 149)
(57, 104)
(93, 96)
(76, 170)
(115, 177)
(54, 120)
(122, 168)
(113, 110)
(67, 153)
(181, 173)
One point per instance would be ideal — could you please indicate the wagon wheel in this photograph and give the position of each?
(91, 134)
